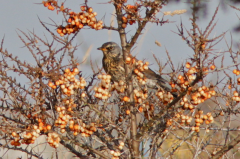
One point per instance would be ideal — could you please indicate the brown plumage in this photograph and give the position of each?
(113, 65)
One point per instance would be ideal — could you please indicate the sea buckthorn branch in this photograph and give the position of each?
(149, 13)
(220, 152)
(76, 21)
(151, 122)
(134, 146)
(22, 150)
(74, 151)
(120, 130)
(110, 28)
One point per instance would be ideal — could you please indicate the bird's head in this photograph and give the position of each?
(111, 49)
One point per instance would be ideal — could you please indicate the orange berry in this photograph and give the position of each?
(229, 86)
(124, 19)
(13, 142)
(50, 7)
(136, 71)
(80, 25)
(145, 67)
(238, 73)
(188, 65)
(67, 70)
(127, 111)
(83, 8)
(75, 70)
(14, 134)
(235, 71)
(180, 77)
(126, 99)
(75, 133)
(124, 25)
(46, 4)
(50, 84)
(70, 20)
(54, 2)
(131, 22)
(90, 10)
(49, 127)
(140, 109)
(222, 113)
(238, 80)
(212, 67)
(207, 122)
(128, 59)
(77, 23)
(76, 127)
(129, 6)
(62, 130)
(93, 128)
(59, 30)
(72, 13)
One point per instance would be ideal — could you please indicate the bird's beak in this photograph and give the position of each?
(103, 49)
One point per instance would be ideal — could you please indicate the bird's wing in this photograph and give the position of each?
(163, 83)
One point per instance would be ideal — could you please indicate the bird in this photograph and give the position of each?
(113, 64)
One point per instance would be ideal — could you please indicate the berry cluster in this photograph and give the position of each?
(199, 96)
(184, 80)
(82, 128)
(119, 86)
(30, 136)
(186, 104)
(102, 91)
(236, 96)
(203, 93)
(16, 141)
(139, 68)
(200, 118)
(50, 4)
(62, 119)
(186, 120)
(117, 153)
(130, 17)
(53, 139)
(32, 133)
(68, 82)
(164, 97)
(139, 95)
(75, 126)
(236, 72)
(77, 21)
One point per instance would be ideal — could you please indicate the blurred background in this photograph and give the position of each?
(18, 15)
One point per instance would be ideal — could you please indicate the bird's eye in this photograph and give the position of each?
(110, 48)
